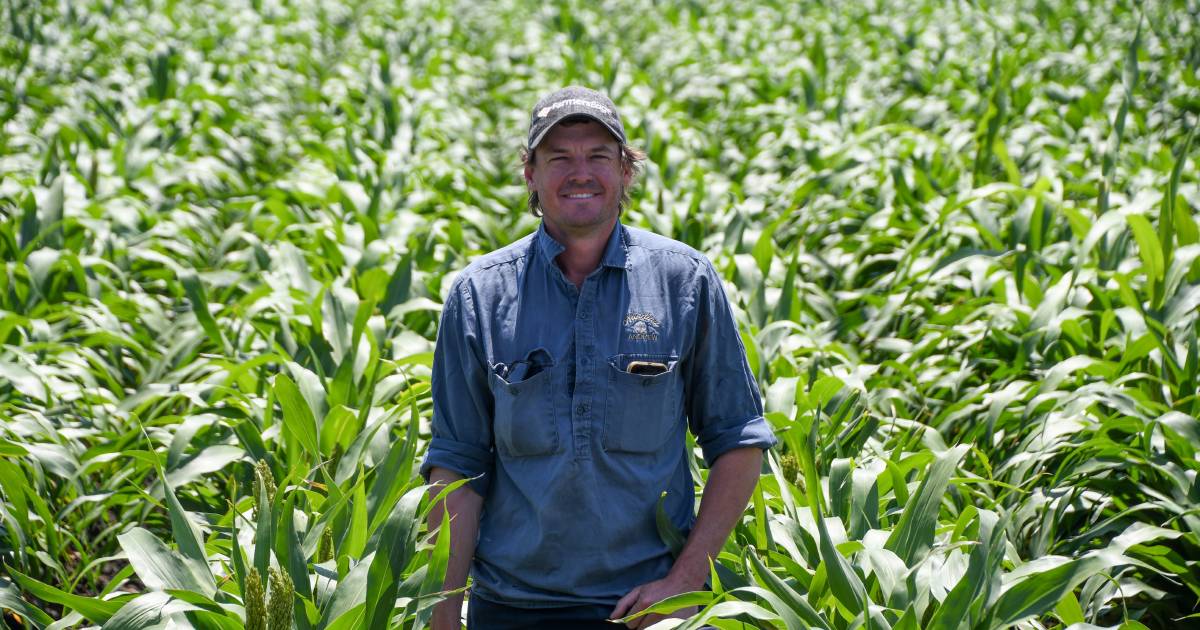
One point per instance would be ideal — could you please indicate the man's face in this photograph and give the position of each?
(578, 176)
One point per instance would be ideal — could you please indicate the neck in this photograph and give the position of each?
(582, 252)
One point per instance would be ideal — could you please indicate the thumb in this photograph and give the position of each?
(624, 604)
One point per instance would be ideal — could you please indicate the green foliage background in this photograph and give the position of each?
(961, 238)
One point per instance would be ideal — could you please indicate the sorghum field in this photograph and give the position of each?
(961, 238)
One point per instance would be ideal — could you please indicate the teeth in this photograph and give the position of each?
(586, 196)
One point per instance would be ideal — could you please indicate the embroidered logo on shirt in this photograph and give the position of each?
(641, 327)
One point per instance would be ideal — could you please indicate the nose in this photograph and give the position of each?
(579, 172)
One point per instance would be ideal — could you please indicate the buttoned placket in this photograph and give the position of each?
(585, 379)
(583, 392)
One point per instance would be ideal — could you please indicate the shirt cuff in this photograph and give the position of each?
(468, 460)
(755, 432)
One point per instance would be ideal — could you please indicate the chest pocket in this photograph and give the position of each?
(643, 408)
(525, 423)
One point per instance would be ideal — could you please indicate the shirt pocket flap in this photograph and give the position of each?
(524, 373)
(621, 364)
(643, 409)
(524, 422)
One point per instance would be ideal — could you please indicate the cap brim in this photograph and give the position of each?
(554, 120)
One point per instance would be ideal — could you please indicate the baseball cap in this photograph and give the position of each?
(570, 102)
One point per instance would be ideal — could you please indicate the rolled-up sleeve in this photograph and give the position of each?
(462, 427)
(723, 402)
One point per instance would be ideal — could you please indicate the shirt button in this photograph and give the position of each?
(582, 408)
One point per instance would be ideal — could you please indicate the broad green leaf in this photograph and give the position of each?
(888, 570)
(143, 611)
(394, 476)
(160, 568)
(350, 597)
(730, 609)
(786, 308)
(14, 484)
(94, 610)
(973, 590)
(667, 531)
(399, 285)
(1038, 593)
(356, 536)
(439, 557)
(846, 585)
(350, 620)
(291, 557)
(1068, 609)
(50, 214)
(10, 449)
(24, 381)
(209, 460)
(339, 429)
(189, 539)
(10, 598)
(1149, 247)
(199, 303)
(672, 604)
(825, 389)
(400, 534)
(795, 611)
(913, 535)
(908, 621)
(298, 419)
(311, 387)
(764, 252)
(1167, 227)
(264, 531)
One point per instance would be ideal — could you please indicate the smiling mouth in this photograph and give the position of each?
(580, 196)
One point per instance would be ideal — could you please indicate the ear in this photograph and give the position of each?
(626, 174)
(529, 176)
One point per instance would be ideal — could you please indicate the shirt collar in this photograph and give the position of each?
(615, 252)
(550, 248)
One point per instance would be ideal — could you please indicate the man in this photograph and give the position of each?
(568, 367)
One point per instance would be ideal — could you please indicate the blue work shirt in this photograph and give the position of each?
(534, 395)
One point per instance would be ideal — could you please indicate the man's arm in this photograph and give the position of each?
(461, 442)
(463, 507)
(730, 483)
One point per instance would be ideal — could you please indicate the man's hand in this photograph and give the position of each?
(647, 595)
(730, 483)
